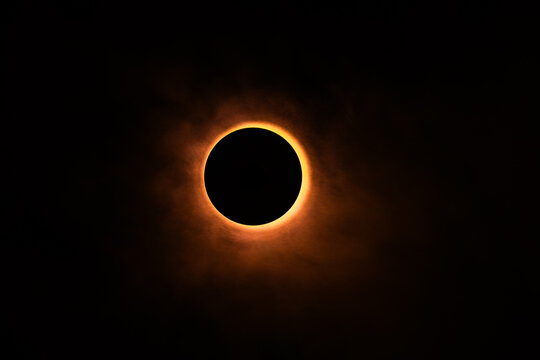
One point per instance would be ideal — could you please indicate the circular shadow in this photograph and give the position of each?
(253, 176)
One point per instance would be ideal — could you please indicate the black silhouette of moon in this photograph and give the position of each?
(253, 176)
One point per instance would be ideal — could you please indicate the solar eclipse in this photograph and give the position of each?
(255, 175)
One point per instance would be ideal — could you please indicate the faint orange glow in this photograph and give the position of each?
(304, 187)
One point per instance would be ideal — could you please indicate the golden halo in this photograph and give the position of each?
(304, 187)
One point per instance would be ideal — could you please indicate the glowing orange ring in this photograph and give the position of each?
(304, 187)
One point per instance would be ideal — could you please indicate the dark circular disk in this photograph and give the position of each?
(253, 176)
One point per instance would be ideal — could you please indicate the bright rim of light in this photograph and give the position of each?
(304, 187)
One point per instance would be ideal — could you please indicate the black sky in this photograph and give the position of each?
(424, 96)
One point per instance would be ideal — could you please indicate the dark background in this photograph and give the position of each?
(79, 84)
